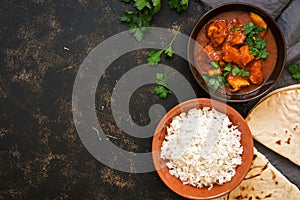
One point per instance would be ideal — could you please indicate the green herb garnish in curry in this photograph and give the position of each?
(236, 52)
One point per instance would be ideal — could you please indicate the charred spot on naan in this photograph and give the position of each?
(264, 167)
(274, 177)
(288, 141)
(295, 128)
(254, 157)
(279, 130)
(278, 142)
(256, 170)
(268, 195)
(249, 196)
(264, 181)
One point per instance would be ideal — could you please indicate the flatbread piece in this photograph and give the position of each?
(275, 122)
(263, 181)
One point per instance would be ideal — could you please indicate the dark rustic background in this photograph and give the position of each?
(43, 44)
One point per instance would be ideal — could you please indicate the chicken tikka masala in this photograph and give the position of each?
(238, 52)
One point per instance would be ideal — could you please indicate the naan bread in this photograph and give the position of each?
(263, 181)
(275, 122)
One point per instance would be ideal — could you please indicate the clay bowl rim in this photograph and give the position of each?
(218, 190)
(281, 55)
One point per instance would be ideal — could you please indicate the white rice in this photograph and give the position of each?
(202, 148)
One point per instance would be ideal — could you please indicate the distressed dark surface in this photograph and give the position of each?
(43, 43)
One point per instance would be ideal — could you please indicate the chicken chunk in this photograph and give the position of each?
(256, 75)
(222, 63)
(235, 34)
(212, 72)
(246, 56)
(236, 37)
(212, 53)
(231, 54)
(217, 32)
(236, 82)
(233, 23)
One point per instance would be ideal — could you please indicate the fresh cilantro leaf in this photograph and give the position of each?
(161, 79)
(132, 28)
(254, 51)
(294, 70)
(235, 71)
(263, 54)
(141, 4)
(259, 29)
(184, 2)
(178, 5)
(225, 81)
(218, 80)
(142, 18)
(139, 20)
(215, 81)
(249, 41)
(257, 45)
(161, 91)
(138, 34)
(296, 76)
(226, 70)
(260, 43)
(125, 18)
(251, 30)
(156, 5)
(173, 4)
(248, 28)
(154, 57)
(236, 29)
(239, 72)
(128, 16)
(168, 51)
(215, 64)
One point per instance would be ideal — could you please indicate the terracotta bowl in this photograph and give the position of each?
(268, 82)
(189, 191)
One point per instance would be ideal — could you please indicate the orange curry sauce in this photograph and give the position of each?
(227, 44)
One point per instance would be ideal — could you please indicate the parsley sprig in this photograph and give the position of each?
(138, 22)
(219, 80)
(162, 88)
(294, 69)
(154, 56)
(257, 44)
(140, 19)
(236, 71)
(178, 5)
